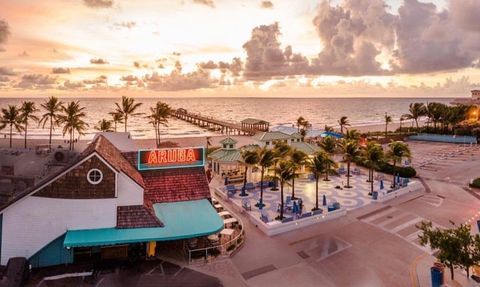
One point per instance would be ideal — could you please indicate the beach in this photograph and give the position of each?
(186, 141)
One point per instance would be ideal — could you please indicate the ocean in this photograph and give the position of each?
(281, 112)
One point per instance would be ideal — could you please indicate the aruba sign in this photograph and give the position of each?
(171, 158)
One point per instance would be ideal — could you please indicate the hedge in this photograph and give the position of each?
(385, 167)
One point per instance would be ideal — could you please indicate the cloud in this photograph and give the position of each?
(125, 24)
(176, 81)
(139, 65)
(100, 80)
(429, 41)
(354, 35)
(70, 85)
(98, 61)
(98, 3)
(208, 3)
(36, 81)
(5, 71)
(235, 67)
(265, 57)
(4, 33)
(266, 4)
(24, 54)
(131, 80)
(61, 70)
(4, 79)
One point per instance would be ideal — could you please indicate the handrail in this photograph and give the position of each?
(223, 246)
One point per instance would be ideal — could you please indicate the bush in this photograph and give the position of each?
(402, 171)
(475, 183)
(387, 168)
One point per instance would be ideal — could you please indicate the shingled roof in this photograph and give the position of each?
(136, 216)
(114, 157)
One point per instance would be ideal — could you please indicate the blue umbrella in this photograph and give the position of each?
(381, 184)
(324, 200)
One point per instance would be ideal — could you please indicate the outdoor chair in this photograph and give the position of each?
(231, 188)
(249, 186)
(264, 217)
(246, 204)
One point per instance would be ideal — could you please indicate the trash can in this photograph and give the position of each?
(437, 276)
(375, 195)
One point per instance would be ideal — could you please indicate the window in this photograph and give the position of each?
(267, 143)
(94, 176)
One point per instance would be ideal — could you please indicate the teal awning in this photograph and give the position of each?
(182, 220)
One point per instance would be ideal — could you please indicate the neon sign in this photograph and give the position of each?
(171, 158)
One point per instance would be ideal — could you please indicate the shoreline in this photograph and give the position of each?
(187, 141)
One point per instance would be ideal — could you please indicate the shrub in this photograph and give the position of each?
(385, 167)
(475, 183)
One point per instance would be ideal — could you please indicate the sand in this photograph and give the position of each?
(180, 142)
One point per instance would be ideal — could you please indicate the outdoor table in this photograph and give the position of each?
(229, 221)
(213, 237)
(223, 213)
(227, 231)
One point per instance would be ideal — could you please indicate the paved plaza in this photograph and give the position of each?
(349, 198)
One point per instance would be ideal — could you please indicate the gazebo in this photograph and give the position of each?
(227, 159)
(255, 125)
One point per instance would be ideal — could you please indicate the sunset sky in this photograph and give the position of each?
(239, 47)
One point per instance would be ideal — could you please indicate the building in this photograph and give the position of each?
(255, 125)
(108, 203)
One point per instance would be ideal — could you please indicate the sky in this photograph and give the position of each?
(239, 48)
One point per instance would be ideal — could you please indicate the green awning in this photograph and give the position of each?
(182, 220)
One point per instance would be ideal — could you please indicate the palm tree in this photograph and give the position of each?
(27, 113)
(351, 151)
(52, 107)
(284, 172)
(117, 118)
(388, 119)
(297, 159)
(11, 117)
(329, 145)
(416, 111)
(159, 117)
(280, 150)
(250, 158)
(300, 122)
(398, 150)
(266, 158)
(328, 128)
(104, 126)
(352, 134)
(318, 166)
(343, 122)
(402, 118)
(373, 154)
(72, 120)
(127, 109)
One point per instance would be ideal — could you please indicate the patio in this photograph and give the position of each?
(348, 198)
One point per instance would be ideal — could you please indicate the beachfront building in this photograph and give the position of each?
(295, 141)
(108, 204)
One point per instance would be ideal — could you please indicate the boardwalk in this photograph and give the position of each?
(222, 126)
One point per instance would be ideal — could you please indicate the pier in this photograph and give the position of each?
(246, 127)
